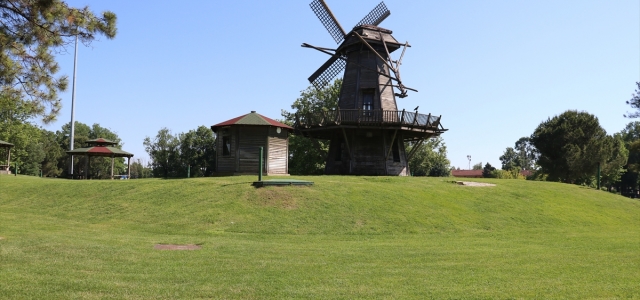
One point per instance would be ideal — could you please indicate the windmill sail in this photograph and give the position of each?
(329, 21)
(376, 16)
(327, 71)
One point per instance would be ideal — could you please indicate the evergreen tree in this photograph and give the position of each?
(487, 171)
(29, 33)
(571, 145)
(634, 103)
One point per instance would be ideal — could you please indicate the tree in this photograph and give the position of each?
(31, 30)
(306, 155)
(522, 157)
(613, 167)
(509, 159)
(527, 153)
(53, 155)
(139, 170)
(197, 149)
(477, 166)
(27, 152)
(430, 159)
(164, 151)
(631, 137)
(634, 103)
(570, 146)
(487, 171)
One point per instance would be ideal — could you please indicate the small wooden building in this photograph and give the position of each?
(238, 145)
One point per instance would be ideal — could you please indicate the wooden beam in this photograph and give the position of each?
(391, 145)
(346, 142)
(112, 163)
(414, 150)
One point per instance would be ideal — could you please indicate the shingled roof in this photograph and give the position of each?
(101, 151)
(252, 118)
(4, 144)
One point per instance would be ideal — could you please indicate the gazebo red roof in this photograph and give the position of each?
(252, 118)
(101, 151)
(100, 147)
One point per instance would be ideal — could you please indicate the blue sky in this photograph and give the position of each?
(493, 69)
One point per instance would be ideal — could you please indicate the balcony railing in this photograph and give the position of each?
(359, 117)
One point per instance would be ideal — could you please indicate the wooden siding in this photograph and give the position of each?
(246, 141)
(226, 164)
(360, 74)
(251, 138)
(277, 156)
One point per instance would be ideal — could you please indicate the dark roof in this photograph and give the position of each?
(466, 173)
(101, 141)
(101, 151)
(252, 118)
(4, 144)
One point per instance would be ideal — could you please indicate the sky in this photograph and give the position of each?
(494, 69)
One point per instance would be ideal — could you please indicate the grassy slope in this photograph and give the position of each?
(345, 237)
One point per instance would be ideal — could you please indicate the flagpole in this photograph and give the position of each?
(73, 98)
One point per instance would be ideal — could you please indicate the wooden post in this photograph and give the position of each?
(9, 161)
(260, 167)
(129, 167)
(391, 145)
(112, 163)
(346, 142)
(86, 166)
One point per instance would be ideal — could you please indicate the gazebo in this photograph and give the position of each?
(4, 169)
(105, 148)
(239, 141)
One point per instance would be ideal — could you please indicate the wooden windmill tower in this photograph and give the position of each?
(367, 131)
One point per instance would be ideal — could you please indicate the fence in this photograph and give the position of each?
(367, 118)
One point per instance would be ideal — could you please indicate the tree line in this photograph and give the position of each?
(573, 148)
(184, 154)
(38, 151)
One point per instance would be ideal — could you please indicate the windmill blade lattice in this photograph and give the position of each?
(329, 70)
(328, 20)
(376, 16)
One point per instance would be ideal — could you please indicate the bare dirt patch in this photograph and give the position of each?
(277, 197)
(176, 247)
(1, 238)
(470, 183)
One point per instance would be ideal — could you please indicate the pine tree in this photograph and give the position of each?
(30, 30)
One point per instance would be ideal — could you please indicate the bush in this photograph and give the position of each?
(507, 174)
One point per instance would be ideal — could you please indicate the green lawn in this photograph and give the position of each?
(344, 237)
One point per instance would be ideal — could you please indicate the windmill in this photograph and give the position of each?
(367, 130)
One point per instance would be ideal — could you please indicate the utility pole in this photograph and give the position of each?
(73, 99)
(469, 158)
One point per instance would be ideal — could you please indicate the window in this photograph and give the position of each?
(226, 145)
(367, 99)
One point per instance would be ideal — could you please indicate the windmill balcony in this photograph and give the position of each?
(398, 119)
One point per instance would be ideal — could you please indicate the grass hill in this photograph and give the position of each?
(344, 237)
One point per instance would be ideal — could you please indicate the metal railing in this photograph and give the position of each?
(360, 117)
